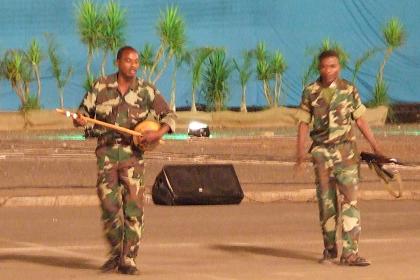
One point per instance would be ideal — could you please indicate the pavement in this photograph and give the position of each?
(63, 173)
(247, 242)
(45, 233)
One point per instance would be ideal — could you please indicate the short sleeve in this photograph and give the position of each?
(162, 110)
(358, 108)
(304, 111)
(88, 105)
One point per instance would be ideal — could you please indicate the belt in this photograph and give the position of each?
(112, 140)
(122, 141)
(329, 145)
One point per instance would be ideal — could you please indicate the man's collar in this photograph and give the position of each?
(112, 82)
(332, 85)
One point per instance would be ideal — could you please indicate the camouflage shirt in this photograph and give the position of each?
(332, 110)
(107, 104)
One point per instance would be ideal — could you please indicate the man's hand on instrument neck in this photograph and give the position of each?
(79, 121)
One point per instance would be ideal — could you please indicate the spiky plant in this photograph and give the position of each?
(147, 54)
(380, 94)
(395, 37)
(278, 67)
(31, 103)
(16, 69)
(112, 30)
(245, 72)
(171, 32)
(180, 58)
(360, 61)
(264, 73)
(88, 83)
(198, 56)
(217, 70)
(35, 56)
(89, 25)
(56, 69)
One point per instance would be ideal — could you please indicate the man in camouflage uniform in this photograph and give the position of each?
(333, 104)
(124, 100)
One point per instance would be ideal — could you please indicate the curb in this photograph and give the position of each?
(306, 195)
(309, 195)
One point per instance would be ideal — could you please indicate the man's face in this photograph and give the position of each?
(329, 69)
(128, 64)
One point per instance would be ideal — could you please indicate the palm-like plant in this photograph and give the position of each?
(180, 58)
(89, 26)
(112, 30)
(215, 79)
(35, 56)
(264, 72)
(147, 54)
(171, 31)
(56, 65)
(198, 56)
(245, 73)
(360, 61)
(380, 94)
(278, 67)
(16, 69)
(395, 36)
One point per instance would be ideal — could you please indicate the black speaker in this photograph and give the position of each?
(203, 184)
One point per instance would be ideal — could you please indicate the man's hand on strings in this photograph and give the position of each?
(149, 137)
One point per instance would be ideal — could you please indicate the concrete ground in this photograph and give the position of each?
(253, 240)
(247, 241)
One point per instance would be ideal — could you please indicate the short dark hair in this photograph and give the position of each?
(124, 49)
(328, 53)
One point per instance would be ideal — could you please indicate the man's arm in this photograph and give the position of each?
(304, 117)
(367, 133)
(165, 116)
(300, 142)
(86, 108)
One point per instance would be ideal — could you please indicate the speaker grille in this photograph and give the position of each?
(197, 184)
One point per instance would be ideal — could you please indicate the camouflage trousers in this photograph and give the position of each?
(336, 167)
(120, 188)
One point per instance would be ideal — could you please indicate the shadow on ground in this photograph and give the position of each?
(67, 262)
(268, 251)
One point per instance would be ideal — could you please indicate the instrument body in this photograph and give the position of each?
(139, 130)
(143, 127)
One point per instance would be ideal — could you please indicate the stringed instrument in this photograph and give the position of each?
(139, 130)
